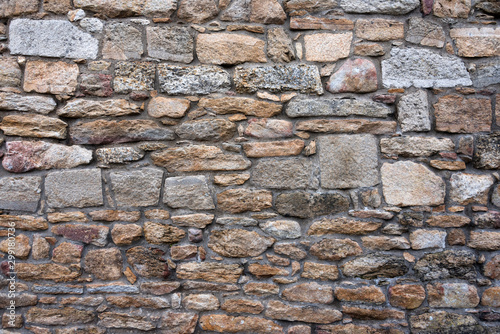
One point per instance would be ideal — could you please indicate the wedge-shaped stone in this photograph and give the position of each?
(336, 107)
(89, 234)
(228, 324)
(415, 146)
(77, 188)
(210, 271)
(198, 158)
(342, 226)
(157, 233)
(203, 79)
(244, 105)
(317, 315)
(238, 243)
(335, 249)
(347, 126)
(124, 8)
(79, 108)
(33, 126)
(59, 316)
(19, 193)
(375, 265)
(28, 103)
(224, 49)
(23, 156)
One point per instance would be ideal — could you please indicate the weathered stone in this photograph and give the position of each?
(491, 297)
(316, 23)
(89, 234)
(279, 45)
(148, 262)
(129, 301)
(122, 8)
(67, 253)
(445, 323)
(489, 241)
(305, 205)
(421, 239)
(303, 78)
(452, 295)
(453, 8)
(33, 126)
(375, 265)
(126, 234)
(413, 112)
(238, 10)
(168, 107)
(25, 223)
(357, 76)
(310, 6)
(228, 324)
(19, 193)
(21, 247)
(241, 200)
(59, 316)
(487, 152)
(122, 41)
(336, 107)
(267, 12)
(335, 249)
(223, 49)
(273, 149)
(320, 271)
(203, 79)
(244, 105)
(369, 50)
(379, 29)
(188, 192)
(183, 252)
(78, 108)
(157, 214)
(30, 103)
(57, 7)
(290, 250)
(105, 132)
(268, 128)
(198, 11)
(157, 233)
(460, 115)
(111, 288)
(265, 271)
(45, 271)
(11, 8)
(448, 221)
(292, 173)
(309, 293)
(282, 229)
(415, 146)
(355, 329)
(242, 306)
(125, 321)
(139, 187)
(398, 7)
(347, 126)
(242, 221)
(470, 188)
(492, 267)
(327, 47)
(210, 271)
(406, 183)
(178, 323)
(74, 188)
(40, 249)
(368, 213)
(92, 24)
(447, 264)
(201, 302)
(194, 220)
(342, 226)
(238, 243)
(207, 130)
(486, 74)
(10, 74)
(170, 43)
(447, 165)
(115, 215)
(159, 288)
(423, 68)
(51, 38)
(261, 289)
(118, 155)
(318, 315)
(385, 243)
(425, 33)
(96, 84)
(134, 76)
(372, 314)
(406, 296)
(105, 264)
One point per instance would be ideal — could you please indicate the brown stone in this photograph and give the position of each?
(273, 149)
(148, 262)
(10, 73)
(457, 114)
(157, 233)
(89, 234)
(125, 321)
(178, 323)
(26, 223)
(227, 324)
(198, 11)
(157, 214)
(456, 237)
(447, 165)
(224, 48)
(226, 180)
(210, 271)
(159, 288)
(115, 215)
(67, 253)
(266, 271)
(385, 243)
(241, 200)
(238, 243)
(126, 234)
(320, 271)
(347, 126)
(491, 297)
(168, 107)
(406, 296)
(367, 294)
(242, 306)
(261, 289)
(484, 240)
(372, 314)
(357, 76)
(290, 250)
(198, 220)
(379, 29)
(57, 6)
(129, 301)
(476, 42)
(183, 252)
(50, 77)
(244, 105)
(11, 8)
(64, 217)
(267, 12)
(355, 329)
(121, 8)
(448, 221)
(45, 271)
(454, 295)
(326, 47)
(268, 128)
(33, 126)
(59, 316)
(492, 267)
(342, 226)
(78, 108)
(318, 315)
(452, 8)
(316, 23)
(207, 130)
(375, 265)
(21, 247)
(201, 302)
(309, 293)
(335, 249)
(369, 50)
(105, 264)
(279, 45)
(40, 249)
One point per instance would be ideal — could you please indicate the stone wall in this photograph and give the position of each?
(250, 166)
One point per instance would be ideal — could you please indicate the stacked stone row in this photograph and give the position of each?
(250, 166)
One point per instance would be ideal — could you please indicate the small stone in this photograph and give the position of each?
(369, 50)
(292, 173)
(228, 324)
(194, 220)
(122, 41)
(33, 126)
(125, 321)
(279, 46)
(147, 262)
(447, 264)
(78, 188)
(59, 316)
(470, 188)
(487, 152)
(20, 245)
(170, 43)
(133, 76)
(238, 243)
(358, 76)
(129, 301)
(243, 221)
(195, 235)
(32, 103)
(210, 271)
(445, 321)
(453, 295)
(168, 107)
(198, 11)
(406, 296)
(202, 79)
(421, 239)
(335, 249)
(425, 33)
(126, 234)
(375, 265)
(96, 84)
(247, 106)
(379, 29)
(183, 252)
(282, 229)
(16, 8)
(492, 268)
(178, 323)
(241, 200)
(10, 73)
(447, 165)
(261, 289)
(223, 48)
(372, 314)
(242, 306)
(460, 115)
(342, 226)
(392, 7)
(385, 243)
(115, 215)
(482, 240)
(89, 234)
(40, 248)
(159, 288)
(188, 192)
(139, 187)
(120, 8)
(158, 233)
(309, 293)
(20, 193)
(452, 8)
(413, 112)
(327, 47)
(320, 271)
(206, 130)
(273, 149)
(336, 107)
(267, 12)
(319, 315)
(368, 294)
(201, 302)
(486, 75)
(118, 155)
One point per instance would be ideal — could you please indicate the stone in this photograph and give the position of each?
(273, 149)
(413, 112)
(310, 6)
(228, 324)
(45, 271)
(105, 132)
(265, 271)
(21, 300)
(139, 187)
(79, 108)
(92, 24)
(115, 215)
(375, 265)
(282, 229)
(238, 243)
(178, 323)
(238, 10)
(406, 183)
(290, 250)
(422, 239)
(229, 49)
(57, 6)
(21, 247)
(74, 188)
(470, 188)
(368, 294)
(129, 301)
(126, 234)
(157, 214)
(279, 46)
(10, 73)
(398, 7)
(32, 125)
(425, 33)
(202, 79)
(89, 234)
(30, 103)
(369, 50)
(122, 41)
(305, 205)
(278, 78)
(51, 38)
(206, 130)
(25, 223)
(491, 297)
(20, 193)
(447, 264)
(268, 128)
(195, 220)
(460, 115)
(492, 267)
(292, 173)
(320, 271)
(67, 253)
(125, 321)
(190, 192)
(15, 8)
(133, 76)
(118, 155)
(201, 302)
(406, 296)
(123, 8)
(452, 295)
(210, 271)
(318, 315)
(316, 23)
(242, 306)
(170, 43)
(372, 314)
(447, 165)
(261, 289)
(453, 8)
(354, 329)
(356, 76)
(415, 146)
(423, 68)
(168, 107)
(40, 248)
(247, 106)
(309, 293)
(183, 252)
(198, 11)
(335, 249)
(241, 200)
(267, 12)
(23, 156)
(448, 221)
(159, 288)
(96, 84)
(336, 107)
(347, 126)
(59, 316)
(325, 47)
(486, 75)
(445, 322)
(148, 262)
(105, 264)
(385, 243)
(482, 240)
(380, 29)
(158, 233)
(342, 225)
(487, 152)
(50, 77)
(111, 288)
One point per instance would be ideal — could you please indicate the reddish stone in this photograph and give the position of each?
(357, 76)
(427, 6)
(385, 98)
(96, 84)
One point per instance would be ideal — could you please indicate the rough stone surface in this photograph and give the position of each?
(273, 148)
(20, 193)
(406, 296)
(198, 11)
(89, 108)
(452, 295)
(413, 112)
(238, 243)
(291, 173)
(282, 229)
(137, 188)
(398, 7)
(487, 151)
(120, 8)
(268, 128)
(425, 33)
(347, 126)
(475, 42)
(445, 322)
(421, 239)
(336, 107)
(227, 324)
(327, 47)
(190, 192)
(379, 29)
(206, 130)
(79, 188)
(105, 264)
(279, 47)
(305, 205)
(319, 315)
(460, 115)
(453, 8)
(10, 73)
(375, 265)
(15, 7)
(342, 226)
(415, 146)
(447, 264)
(37, 126)
(147, 262)
(168, 107)
(210, 271)
(335, 249)
(356, 76)
(170, 43)
(122, 41)
(204, 79)
(470, 188)
(226, 49)
(50, 77)
(31, 103)
(247, 106)
(133, 76)
(158, 233)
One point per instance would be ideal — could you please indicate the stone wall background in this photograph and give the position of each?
(251, 166)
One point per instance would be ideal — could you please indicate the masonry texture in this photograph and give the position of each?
(250, 166)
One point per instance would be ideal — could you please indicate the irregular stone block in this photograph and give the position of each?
(26, 223)
(201, 302)
(203, 79)
(178, 323)
(210, 271)
(89, 234)
(273, 148)
(124, 8)
(282, 229)
(292, 173)
(426, 33)
(347, 126)
(78, 188)
(452, 295)
(118, 155)
(10, 73)
(139, 187)
(238, 243)
(415, 146)
(244, 105)
(432, 322)
(33, 126)
(190, 192)
(392, 7)
(148, 262)
(379, 29)
(309, 293)
(335, 249)
(228, 324)
(318, 315)
(406, 296)
(375, 265)
(327, 47)
(134, 76)
(336, 107)
(207, 130)
(422, 239)
(310, 6)
(461, 115)
(96, 84)
(487, 152)
(413, 112)
(316, 23)
(20, 193)
(197, 11)
(452, 8)
(50, 77)
(170, 43)
(357, 76)
(486, 75)
(122, 41)
(369, 294)
(11, 8)
(168, 107)
(447, 264)
(268, 128)
(59, 316)
(105, 264)
(224, 49)
(29, 103)
(342, 226)
(279, 46)
(125, 321)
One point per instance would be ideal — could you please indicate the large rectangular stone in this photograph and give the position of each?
(457, 114)
(392, 7)
(336, 107)
(292, 173)
(170, 43)
(204, 79)
(50, 77)
(10, 8)
(26, 103)
(475, 42)
(139, 187)
(20, 193)
(74, 188)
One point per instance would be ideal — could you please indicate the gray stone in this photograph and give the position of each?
(282, 229)
(176, 80)
(29, 103)
(77, 188)
(10, 73)
(423, 68)
(140, 187)
(486, 75)
(120, 8)
(487, 153)
(112, 288)
(118, 155)
(122, 41)
(77, 108)
(190, 192)
(279, 78)
(306, 205)
(92, 24)
(310, 6)
(348, 161)
(336, 107)
(207, 130)
(238, 10)
(170, 43)
(20, 193)
(445, 323)
(426, 33)
(413, 112)
(448, 264)
(291, 173)
(416, 146)
(279, 45)
(393, 7)
(51, 38)
(130, 76)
